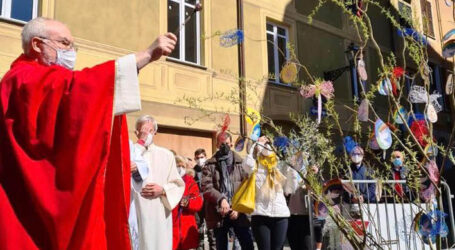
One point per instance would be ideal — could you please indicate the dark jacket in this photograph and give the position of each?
(366, 190)
(211, 189)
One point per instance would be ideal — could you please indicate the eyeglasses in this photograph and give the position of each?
(200, 157)
(65, 42)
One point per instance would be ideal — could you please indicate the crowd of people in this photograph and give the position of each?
(198, 194)
(204, 187)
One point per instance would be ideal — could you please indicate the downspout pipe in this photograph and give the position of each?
(241, 63)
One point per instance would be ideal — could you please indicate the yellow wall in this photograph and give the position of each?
(107, 29)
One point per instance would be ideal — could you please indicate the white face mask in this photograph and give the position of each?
(201, 161)
(66, 58)
(357, 159)
(181, 171)
(148, 140)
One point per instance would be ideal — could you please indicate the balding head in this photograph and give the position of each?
(41, 37)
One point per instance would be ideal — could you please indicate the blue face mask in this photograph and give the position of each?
(397, 162)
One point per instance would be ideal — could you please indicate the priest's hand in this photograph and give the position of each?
(224, 207)
(234, 215)
(162, 46)
(152, 191)
(133, 167)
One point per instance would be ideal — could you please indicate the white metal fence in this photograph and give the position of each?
(390, 219)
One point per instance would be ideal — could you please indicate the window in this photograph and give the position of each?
(19, 10)
(405, 10)
(277, 51)
(188, 46)
(427, 18)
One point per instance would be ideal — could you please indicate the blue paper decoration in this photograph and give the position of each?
(231, 38)
(414, 34)
(256, 133)
(281, 143)
(349, 144)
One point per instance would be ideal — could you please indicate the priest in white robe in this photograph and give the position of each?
(156, 196)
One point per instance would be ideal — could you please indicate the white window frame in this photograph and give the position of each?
(182, 4)
(275, 35)
(6, 10)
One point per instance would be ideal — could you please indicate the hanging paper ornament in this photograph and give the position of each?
(418, 94)
(429, 225)
(289, 72)
(256, 132)
(397, 116)
(231, 38)
(359, 225)
(383, 134)
(431, 113)
(433, 170)
(439, 225)
(385, 87)
(431, 150)
(373, 144)
(420, 130)
(252, 116)
(427, 192)
(361, 70)
(397, 73)
(325, 88)
(449, 84)
(224, 127)
(321, 211)
(362, 114)
(416, 36)
(448, 49)
(281, 143)
(448, 34)
(240, 144)
(349, 144)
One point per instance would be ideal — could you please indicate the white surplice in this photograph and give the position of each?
(142, 171)
(154, 216)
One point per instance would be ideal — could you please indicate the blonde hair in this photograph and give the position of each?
(180, 159)
(190, 172)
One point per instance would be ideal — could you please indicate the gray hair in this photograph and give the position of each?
(34, 28)
(146, 118)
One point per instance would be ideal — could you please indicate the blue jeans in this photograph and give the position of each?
(243, 234)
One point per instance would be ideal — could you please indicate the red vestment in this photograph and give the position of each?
(64, 164)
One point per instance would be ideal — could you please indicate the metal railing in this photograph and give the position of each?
(391, 214)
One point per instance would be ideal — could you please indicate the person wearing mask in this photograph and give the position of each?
(185, 231)
(200, 157)
(221, 177)
(299, 231)
(399, 172)
(139, 172)
(159, 193)
(360, 172)
(269, 220)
